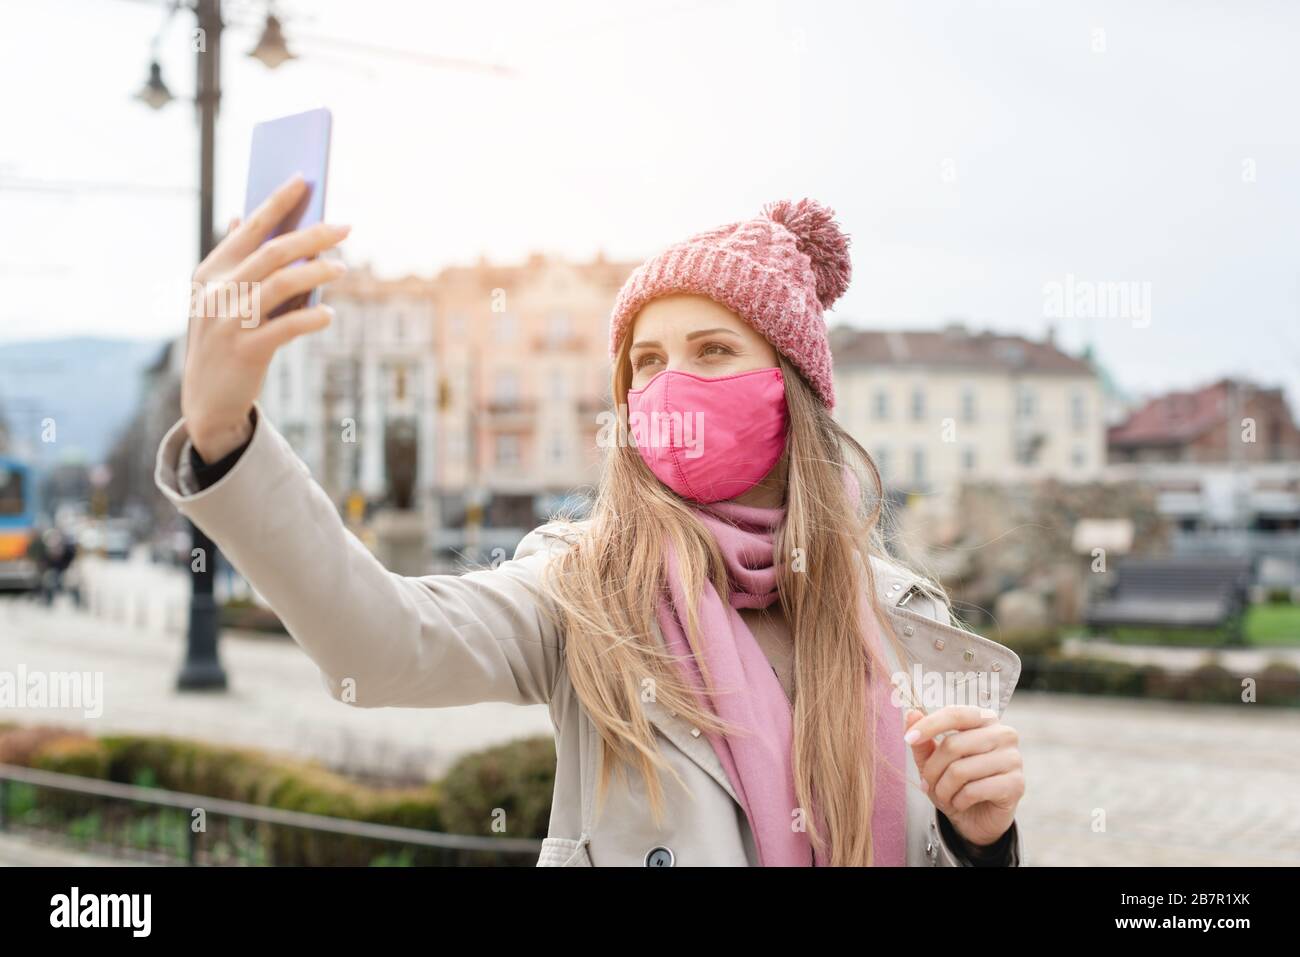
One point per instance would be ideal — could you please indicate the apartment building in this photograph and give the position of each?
(523, 375)
(938, 408)
(1224, 460)
(356, 400)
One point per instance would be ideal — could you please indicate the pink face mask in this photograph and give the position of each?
(710, 439)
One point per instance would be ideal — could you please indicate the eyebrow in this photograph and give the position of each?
(646, 343)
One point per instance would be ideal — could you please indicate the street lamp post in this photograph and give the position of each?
(202, 668)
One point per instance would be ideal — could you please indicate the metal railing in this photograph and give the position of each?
(451, 848)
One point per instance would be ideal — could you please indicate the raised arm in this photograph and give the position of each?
(379, 638)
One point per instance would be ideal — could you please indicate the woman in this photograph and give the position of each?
(723, 645)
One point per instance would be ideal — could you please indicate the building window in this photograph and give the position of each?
(507, 451)
(557, 449)
(1079, 457)
(1079, 410)
(968, 410)
(1027, 449)
(918, 404)
(559, 329)
(918, 465)
(507, 328)
(505, 387)
(456, 327)
(559, 385)
(1025, 402)
(882, 463)
(399, 328)
(882, 405)
(968, 459)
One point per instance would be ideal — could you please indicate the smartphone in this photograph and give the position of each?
(281, 147)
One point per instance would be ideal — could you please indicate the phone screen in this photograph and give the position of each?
(281, 147)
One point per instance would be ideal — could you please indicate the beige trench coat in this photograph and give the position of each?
(384, 640)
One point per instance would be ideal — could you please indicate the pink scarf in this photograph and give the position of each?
(759, 762)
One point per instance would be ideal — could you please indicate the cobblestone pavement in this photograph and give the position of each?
(1187, 785)
(1178, 785)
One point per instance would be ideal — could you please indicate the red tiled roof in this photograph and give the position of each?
(1174, 418)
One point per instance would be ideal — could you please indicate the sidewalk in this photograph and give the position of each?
(28, 852)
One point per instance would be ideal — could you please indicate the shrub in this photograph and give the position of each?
(1025, 643)
(1278, 684)
(19, 745)
(55, 749)
(1211, 682)
(255, 777)
(72, 754)
(516, 778)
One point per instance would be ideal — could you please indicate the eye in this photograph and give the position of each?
(642, 359)
(721, 349)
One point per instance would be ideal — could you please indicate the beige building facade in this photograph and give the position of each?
(936, 409)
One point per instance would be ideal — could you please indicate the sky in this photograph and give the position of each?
(978, 155)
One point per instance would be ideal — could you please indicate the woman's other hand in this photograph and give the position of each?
(974, 775)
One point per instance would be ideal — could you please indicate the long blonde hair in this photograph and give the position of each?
(605, 589)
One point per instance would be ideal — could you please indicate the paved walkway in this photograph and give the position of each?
(1163, 783)
(34, 852)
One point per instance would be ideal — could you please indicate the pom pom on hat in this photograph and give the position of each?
(820, 238)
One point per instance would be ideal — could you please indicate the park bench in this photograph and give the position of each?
(1191, 592)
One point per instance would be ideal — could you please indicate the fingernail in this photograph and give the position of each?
(342, 230)
(338, 266)
(988, 713)
(911, 736)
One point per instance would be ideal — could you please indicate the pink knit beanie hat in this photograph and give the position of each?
(777, 271)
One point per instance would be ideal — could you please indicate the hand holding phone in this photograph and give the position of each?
(227, 355)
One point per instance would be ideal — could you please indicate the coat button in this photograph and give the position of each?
(659, 857)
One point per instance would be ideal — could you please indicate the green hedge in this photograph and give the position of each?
(503, 790)
(517, 777)
(1277, 685)
(243, 614)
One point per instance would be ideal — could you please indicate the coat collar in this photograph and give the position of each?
(692, 742)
